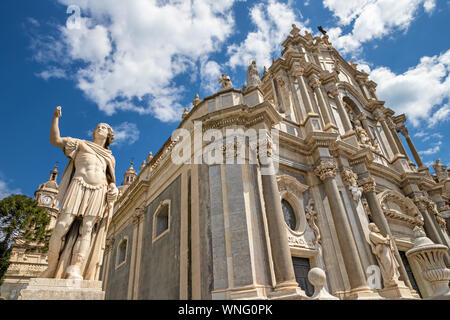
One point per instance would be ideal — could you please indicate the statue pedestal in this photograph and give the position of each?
(400, 292)
(62, 289)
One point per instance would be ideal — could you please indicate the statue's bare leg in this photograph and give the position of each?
(81, 248)
(61, 228)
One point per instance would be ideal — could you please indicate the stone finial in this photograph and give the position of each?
(225, 81)
(150, 157)
(318, 278)
(185, 113)
(253, 75)
(420, 237)
(197, 100)
(143, 165)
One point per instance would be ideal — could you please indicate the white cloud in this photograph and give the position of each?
(429, 5)
(372, 19)
(52, 72)
(126, 132)
(5, 190)
(420, 92)
(210, 73)
(432, 150)
(273, 21)
(130, 55)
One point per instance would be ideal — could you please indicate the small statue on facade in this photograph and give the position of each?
(196, 101)
(383, 249)
(440, 170)
(311, 217)
(253, 76)
(363, 136)
(225, 81)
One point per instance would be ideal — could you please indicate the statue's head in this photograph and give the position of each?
(373, 227)
(104, 130)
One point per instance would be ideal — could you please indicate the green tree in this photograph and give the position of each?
(21, 218)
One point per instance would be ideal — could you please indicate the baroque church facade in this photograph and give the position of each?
(346, 198)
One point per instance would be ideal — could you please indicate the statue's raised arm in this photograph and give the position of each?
(55, 137)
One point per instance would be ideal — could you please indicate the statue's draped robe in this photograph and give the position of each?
(81, 199)
(386, 259)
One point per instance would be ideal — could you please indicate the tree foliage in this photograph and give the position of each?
(21, 219)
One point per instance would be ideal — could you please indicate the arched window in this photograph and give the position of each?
(121, 254)
(161, 220)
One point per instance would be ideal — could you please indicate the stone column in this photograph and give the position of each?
(137, 218)
(368, 185)
(326, 171)
(428, 224)
(382, 119)
(282, 259)
(108, 248)
(404, 131)
(342, 113)
(315, 85)
(304, 93)
(397, 139)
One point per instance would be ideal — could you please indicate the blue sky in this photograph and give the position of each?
(137, 64)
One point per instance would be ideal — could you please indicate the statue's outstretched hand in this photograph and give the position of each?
(57, 113)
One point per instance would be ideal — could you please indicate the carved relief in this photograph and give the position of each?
(408, 211)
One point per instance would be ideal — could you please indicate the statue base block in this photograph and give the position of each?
(288, 294)
(62, 289)
(397, 293)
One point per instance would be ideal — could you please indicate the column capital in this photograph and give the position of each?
(334, 92)
(420, 202)
(379, 115)
(138, 214)
(109, 244)
(326, 169)
(403, 130)
(349, 177)
(362, 116)
(314, 81)
(368, 184)
(391, 123)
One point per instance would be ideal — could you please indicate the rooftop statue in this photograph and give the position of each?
(87, 194)
(225, 81)
(253, 76)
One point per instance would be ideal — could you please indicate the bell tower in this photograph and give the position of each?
(46, 196)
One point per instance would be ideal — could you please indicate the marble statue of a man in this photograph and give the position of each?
(87, 193)
(384, 252)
